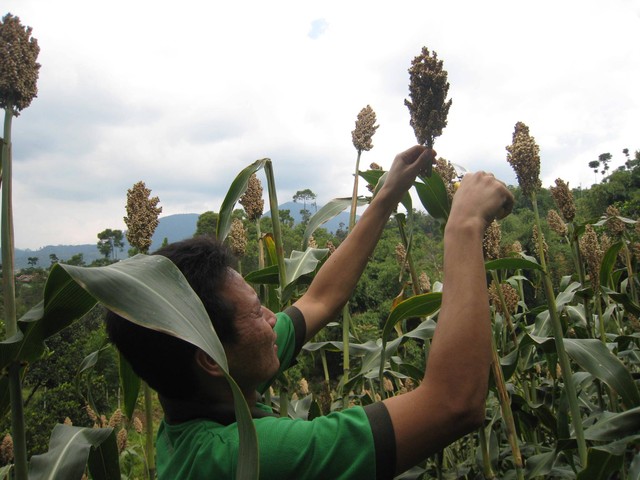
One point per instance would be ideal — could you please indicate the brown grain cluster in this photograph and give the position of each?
(614, 225)
(428, 89)
(564, 200)
(251, 200)
(591, 252)
(556, 223)
(18, 66)
(365, 129)
(238, 238)
(524, 156)
(142, 216)
(491, 241)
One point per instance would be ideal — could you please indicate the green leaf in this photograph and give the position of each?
(540, 465)
(416, 306)
(301, 263)
(103, 460)
(236, 190)
(612, 426)
(608, 263)
(433, 195)
(326, 213)
(266, 276)
(600, 465)
(511, 264)
(593, 356)
(69, 450)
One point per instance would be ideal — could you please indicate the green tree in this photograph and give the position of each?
(53, 258)
(305, 196)
(594, 165)
(32, 261)
(207, 224)
(109, 242)
(77, 259)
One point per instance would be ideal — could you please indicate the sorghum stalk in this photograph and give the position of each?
(563, 358)
(484, 449)
(505, 405)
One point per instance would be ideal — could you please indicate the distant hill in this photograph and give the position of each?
(173, 227)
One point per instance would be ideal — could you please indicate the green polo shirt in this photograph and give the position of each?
(356, 443)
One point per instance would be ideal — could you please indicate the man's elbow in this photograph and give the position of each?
(468, 415)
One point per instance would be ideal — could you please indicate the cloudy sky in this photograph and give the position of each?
(183, 95)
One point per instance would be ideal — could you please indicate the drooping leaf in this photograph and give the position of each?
(600, 465)
(417, 306)
(69, 450)
(326, 213)
(593, 356)
(236, 190)
(612, 426)
(511, 264)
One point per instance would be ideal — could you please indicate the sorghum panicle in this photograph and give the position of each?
(238, 238)
(448, 173)
(312, 242)
(365, 129)
(564, 200)
(6, 450)
(491, 241)
(614, 225)
(428, 89)
(509, 294)
(524, 156)
(536, 243)
(556, 223)
(330, 246)
(401, 254)
(142, 216)
(18, 67)
(116, 419)
(425, 283)
(252, 200)
(121, 440)
(591, 252)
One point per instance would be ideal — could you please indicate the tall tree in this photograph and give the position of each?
(109, 242)
(305, 196)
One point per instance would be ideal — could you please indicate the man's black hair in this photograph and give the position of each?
(167, 363)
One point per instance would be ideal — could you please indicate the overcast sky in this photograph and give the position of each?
(183, 95)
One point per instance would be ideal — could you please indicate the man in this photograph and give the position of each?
(198, 437)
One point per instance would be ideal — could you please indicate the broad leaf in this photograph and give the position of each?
(236, 190)
(593, 356)
(69, 451)
(511, 264)
(301, 263)
(130, 383)
(434, 197)
(600, 465)
(608, 263)
(416, 306)
(326, 213)
(612, 426)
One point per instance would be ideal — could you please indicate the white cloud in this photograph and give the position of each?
(184, 96)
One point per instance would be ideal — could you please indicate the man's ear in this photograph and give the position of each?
(208, 364)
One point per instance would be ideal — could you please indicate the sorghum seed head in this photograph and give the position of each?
(387, 385)
(67, 421)
(6, 449)
(425, 283)
(18, 66)
(556, 223)
(491, 241)
(401, 254)
(116, 418)
(448, 173)
(375, 166)
(365, 129)
(137, 425)
(91, 414)
(428, 89)
(537, 236)
(614, 225)
(524, 156)
(304, 386)
(591, 253)
(312, 242)
(564, 200)
(142, 216)
(121, 440)
(252, 200)
(331, 247)
(238, 238)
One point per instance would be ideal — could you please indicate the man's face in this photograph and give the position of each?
(253, 357)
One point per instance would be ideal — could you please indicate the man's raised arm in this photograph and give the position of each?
(450, 400)
(335, 281)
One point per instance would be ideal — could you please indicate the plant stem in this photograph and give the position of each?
(486, 460)
(149, 445)
(507, 413)
(563, 358)
(9, 296)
